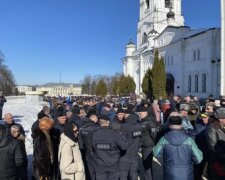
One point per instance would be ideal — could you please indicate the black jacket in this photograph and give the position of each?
(12, 157)
(85, 135)
(149, 133)
(107, 145)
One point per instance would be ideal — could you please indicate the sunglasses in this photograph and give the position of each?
(76, 131)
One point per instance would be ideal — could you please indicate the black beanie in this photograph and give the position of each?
(175, 120)
(68, 131)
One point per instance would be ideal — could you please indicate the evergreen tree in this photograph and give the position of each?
(101, 88)
(147, 84)
(158, 77)
(126, 85)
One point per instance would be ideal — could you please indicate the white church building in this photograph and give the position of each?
(191, 56)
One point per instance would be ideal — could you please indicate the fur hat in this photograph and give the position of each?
(45, 123)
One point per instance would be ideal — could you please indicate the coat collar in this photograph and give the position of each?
(68, 140)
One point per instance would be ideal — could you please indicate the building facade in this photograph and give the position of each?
(191, 56)
(23, 89)
(60, 89)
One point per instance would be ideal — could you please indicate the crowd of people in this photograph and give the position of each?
(106, 138)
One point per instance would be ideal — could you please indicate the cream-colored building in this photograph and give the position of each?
(60, 89)
(24, 88)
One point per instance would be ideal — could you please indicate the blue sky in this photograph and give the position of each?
(40, 38)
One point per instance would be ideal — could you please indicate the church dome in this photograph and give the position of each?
(130, 43)
(153, 31)
(170, 14)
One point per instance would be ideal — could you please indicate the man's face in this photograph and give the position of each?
(62, 119)
(120, 116)
(222, 121)
(8, 119)
(142, 115)
(183, 113)
(107, 108)
(209, 109)
(205, 120)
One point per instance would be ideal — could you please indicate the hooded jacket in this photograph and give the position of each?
(11, 155)
(179, 152)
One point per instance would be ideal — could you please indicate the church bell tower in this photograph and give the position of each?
(154, 17)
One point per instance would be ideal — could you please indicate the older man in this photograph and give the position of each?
(9, 122)
(215, 134)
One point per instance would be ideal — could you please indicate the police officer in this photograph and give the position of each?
(149, 133)
(86, 146)
(108, 145)
(132, 131)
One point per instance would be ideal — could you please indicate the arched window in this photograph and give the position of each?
(189, 83)
(168, 3)
(196, 83)
(144, 38)
(147, 3)
(204, 82)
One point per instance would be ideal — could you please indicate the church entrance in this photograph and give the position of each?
(169, 84)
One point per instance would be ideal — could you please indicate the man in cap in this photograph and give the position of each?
(215, 134)
(149, 133)
(179, 152)
(108, 145)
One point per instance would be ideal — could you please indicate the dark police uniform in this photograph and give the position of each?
(129, 162)
(108, 146)
(149, 133)
(86, 147)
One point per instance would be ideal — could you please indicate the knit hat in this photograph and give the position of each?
(104, 117)
(142, 109)
(175, 120)
(45, 123)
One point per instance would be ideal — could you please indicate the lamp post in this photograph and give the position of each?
(222, 71)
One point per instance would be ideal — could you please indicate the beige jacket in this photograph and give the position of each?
(71, 163)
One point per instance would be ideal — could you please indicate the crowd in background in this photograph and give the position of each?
(119, 138)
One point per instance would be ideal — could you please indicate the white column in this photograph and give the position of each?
(222, 80)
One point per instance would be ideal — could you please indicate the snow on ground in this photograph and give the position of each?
(24, 113)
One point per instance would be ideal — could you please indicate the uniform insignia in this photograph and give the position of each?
(103, 146)
(136, 133)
